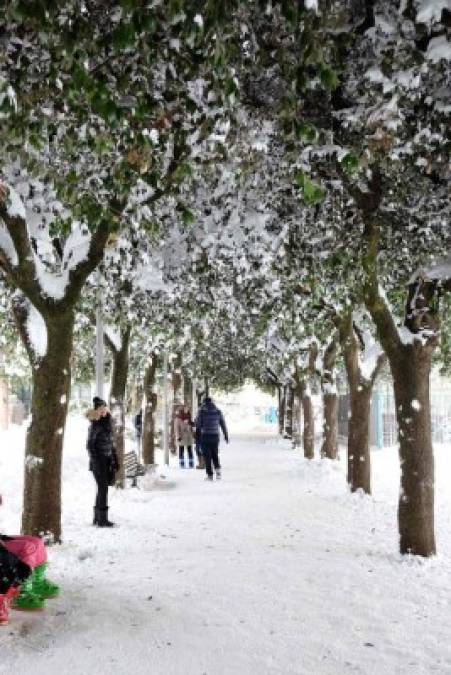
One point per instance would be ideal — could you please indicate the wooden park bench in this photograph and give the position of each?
(133, 468)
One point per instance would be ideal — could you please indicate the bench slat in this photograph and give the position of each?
(132, 466)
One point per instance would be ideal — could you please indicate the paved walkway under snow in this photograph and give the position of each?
(275, 570)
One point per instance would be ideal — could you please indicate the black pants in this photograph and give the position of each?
(182, 452)
(101, 474)
(210, 451)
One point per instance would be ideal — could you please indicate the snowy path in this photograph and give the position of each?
(276, 570)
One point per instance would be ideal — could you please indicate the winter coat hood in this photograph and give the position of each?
(93, 415)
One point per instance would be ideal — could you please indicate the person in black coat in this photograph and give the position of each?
(139, 425)
(102, 458)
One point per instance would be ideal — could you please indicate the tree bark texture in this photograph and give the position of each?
(150, 406)
(297, 420)
(134, 398)
(281, 408)
(359, 456)
(309, 423)
(187, 390)
(307, 380)
(411, 374)
(360, 391)
(45, 435)
(297, 409)
(117, 398)
(289, 402)
(176, 399)
(329, 447)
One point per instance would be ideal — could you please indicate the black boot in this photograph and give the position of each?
(95, 520)
(102, 520)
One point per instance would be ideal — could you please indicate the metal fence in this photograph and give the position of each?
(383, 427)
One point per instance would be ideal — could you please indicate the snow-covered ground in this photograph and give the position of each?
(276, 570)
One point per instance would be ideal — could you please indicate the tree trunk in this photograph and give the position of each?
(288, 421)
(176, 387)
(360, 390)
(297, 408)
(51, 372)
(297, 433)
(410, 364)
(150, 403)
(411, 373)
(200, 397)
(309, 423)
(188, 391)
(359, 457)
(45, 435)
(329, 447)
(4, 401)
(117, 399)
(134, 398)
(281, 408)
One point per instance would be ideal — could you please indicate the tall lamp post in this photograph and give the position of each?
(99, 340)
(165, 409)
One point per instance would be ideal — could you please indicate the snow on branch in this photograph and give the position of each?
(7, 245)
(37, 331)
(369, 357)
(311, 4)
(440, 272)
(113, 336)
(14, 205)
(430, 11)
(54, 282)
(149, 277)
(439, 48)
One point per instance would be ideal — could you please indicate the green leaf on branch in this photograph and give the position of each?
(187, 215)
(127, 4)
(307, 132)
(175, 9)
(300, 179)
(182, 171)
(124, 35)
(328, 77)
(30, 10)
(312, 193)
(231, 88)
(350, 164)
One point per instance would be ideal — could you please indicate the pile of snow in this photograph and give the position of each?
(155, 479)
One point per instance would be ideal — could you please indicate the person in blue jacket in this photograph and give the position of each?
(208, 422)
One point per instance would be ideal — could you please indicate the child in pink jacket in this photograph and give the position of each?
(36, 588)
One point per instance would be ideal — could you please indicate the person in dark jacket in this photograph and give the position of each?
(102, 458)
(139, 425)
(208, 422)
